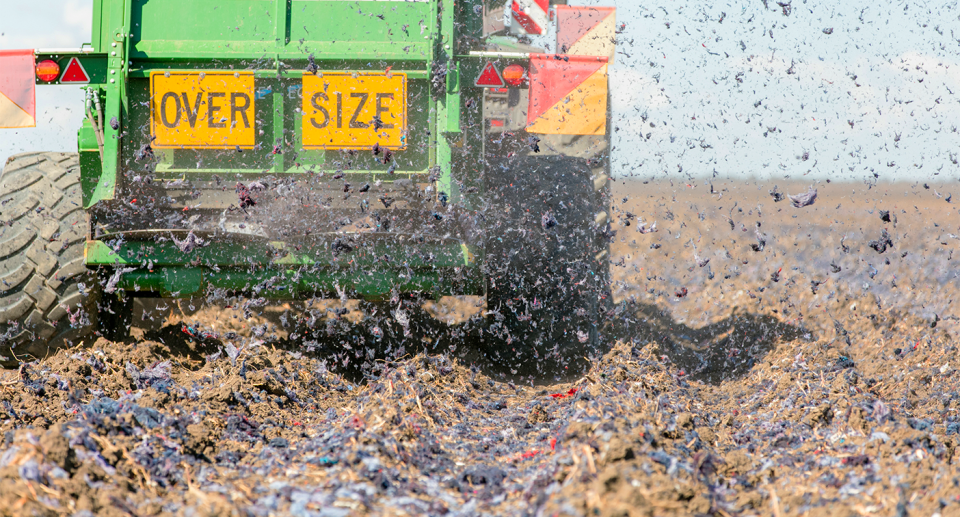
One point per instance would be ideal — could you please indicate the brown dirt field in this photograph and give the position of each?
(815, 376)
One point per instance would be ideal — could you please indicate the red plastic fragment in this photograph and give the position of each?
(529, 454)
(569, 393)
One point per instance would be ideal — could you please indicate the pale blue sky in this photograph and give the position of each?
(711, 89)
(46, 24)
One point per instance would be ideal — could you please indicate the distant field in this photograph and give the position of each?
(824, 247)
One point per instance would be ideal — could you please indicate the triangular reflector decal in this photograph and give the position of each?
(74, 73)
(489, 77)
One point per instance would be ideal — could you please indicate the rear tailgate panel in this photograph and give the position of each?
(326, 209)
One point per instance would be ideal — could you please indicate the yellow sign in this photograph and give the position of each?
(202, 110)
(354, 110)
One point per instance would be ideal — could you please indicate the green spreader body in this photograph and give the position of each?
(226, 146)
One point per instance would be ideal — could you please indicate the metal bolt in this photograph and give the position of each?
(114, 44)
(113, 53)
(113, 80)
(112, 72)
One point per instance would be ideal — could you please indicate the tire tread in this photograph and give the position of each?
(41, 256)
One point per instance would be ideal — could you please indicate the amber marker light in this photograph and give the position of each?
(514, 75)
(48, 70)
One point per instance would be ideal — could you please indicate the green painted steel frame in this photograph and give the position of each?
(279, 270)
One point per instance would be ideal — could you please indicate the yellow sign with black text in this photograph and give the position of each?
(354, 110)
(202, 110)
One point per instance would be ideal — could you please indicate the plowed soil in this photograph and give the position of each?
(805, 367)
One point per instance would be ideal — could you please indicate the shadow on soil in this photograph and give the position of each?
(357, 350)
(713, 353)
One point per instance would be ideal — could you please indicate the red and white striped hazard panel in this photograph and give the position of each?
(531, 15)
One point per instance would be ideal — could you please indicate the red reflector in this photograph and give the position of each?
(489, 76)
(48, 70)
(496, 123)
(74, 73)
(514, 75)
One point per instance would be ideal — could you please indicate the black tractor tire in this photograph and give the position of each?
(547, 267)
(48, 297)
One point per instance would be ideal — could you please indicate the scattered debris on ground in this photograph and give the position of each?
(756, 394)
(817, 426)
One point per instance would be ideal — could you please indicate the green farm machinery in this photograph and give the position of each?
(289, 149)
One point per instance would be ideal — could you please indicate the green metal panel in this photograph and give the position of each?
(241, 265)
(181, 281)
(258, 29)
(90, 165)
(227, 251)
(86, 139)
(290, 284)
(115, 33)
(96, 33)
(453, 101)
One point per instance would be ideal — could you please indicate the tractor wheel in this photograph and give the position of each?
(546, 263)
(48, 298)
